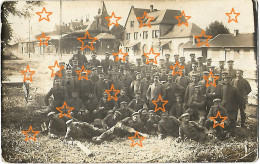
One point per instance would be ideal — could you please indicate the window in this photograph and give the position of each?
(135, 35)
(127, 36)
(145, 34)
(132, 23)
(155, 34)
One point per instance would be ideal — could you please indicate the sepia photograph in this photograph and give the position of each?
(153, 81)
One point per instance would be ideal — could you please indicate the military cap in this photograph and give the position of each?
(192, 54)
(224, 72)
(216, 74)
(123, 102)
(68, 71)
(74, 61)
(151, 111)
(230, 61)
(138, 59)
(99, 66)
(182, 57)
(176, 55)
(94, 68)
(93, 54)
(135, 113)
(155, 75)
(110, 112)
(211, 66)
(167, 55)
(162, 59)
(117, 112)
(51, 113)
(69, 121)
(221, 61)
(205, 72)
(199, 57)
(137, 73)
(78, 47)
(107, 53)
(240, 70)
(198, 86)
(61, 63)
(184, 115)
(148, 72)
(195, 75)
(217, 100)
(209, 59)
(138, 92)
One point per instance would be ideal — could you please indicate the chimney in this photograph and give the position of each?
(193, 40)
(151, 8)
(236, 32)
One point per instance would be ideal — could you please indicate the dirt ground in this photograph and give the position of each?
(17, 116)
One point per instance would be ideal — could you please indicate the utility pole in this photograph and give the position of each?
(60, 29)
(29, 39)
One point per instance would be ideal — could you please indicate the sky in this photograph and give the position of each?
(202, 13)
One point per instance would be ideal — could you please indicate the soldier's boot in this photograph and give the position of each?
(103, 136)
(243, 117)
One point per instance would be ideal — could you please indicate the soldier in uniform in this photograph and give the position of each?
(191, 130)
(189, 65)
(167, 62)
(124, 110)
(209, 61)
(127, 126)
(231, 71)
(106, 63)
(63, 71)
(81, 58)
(220, 68)
(152, 123)
(111, 120)
(244, 88)
(197, 105)
(212, 69)
(78, 130)
(100, 86)
(137, 103)
(59, 93)
(182, 63)
(200, 64)
(144, 115)
(57, 126)
(163, 75)
(190, 89)
(136, 84)
(76, 103)
(94, 62)
(86, 87)
(123, 97)
(176, 58)
(144, 58)
(183, 80)
(193, 71)
(168, 126)
(94, 75)
(69, 83)
(219, 131)
(230, 101)
(203, 82)
(145, 83)
(221, 78)
(177, 108)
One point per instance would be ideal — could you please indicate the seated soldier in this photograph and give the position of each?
(168, 125)
(111, 120)
(78, 130)
(178, 108)
(219, 132)
(137, 103)
(83, 115)
(191, 130)
(124, 110)
(127, 126)
(152, 123)
(197, 105)
(144, 115)
(76, 103)
(57, 126)
(123, 97)
(59, 93)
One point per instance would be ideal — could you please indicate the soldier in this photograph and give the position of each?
(200, 63)
(168, 126)
(193, 71)
(220, 68)
(81, 58)
(100, 86)
(209, 61)
(144, 58)
(162, 62)
(191, 130)
(127, 126)
(163, 75)
(203, 82)
(86, 87)
(231, 71)
(138, 64)
(94, 75)
(78, 130)
(137, 103)
(57, 126)
(124, 110)
(145, 83)
(69, 83)
(230, 101)
(212, 69)
(136, 84)
(106, 63)
(190, 89)
(176, 58)
(244, 89)
(76, 103)
(183, 80)
(177, 108)
(63, 71)
(153, 91)
(123, 97)
(167, 62)
(74, 68)
(182, 63)
(152, 123)
(94, 62)
(91, 104)
(221, 78)
(59, 93)
(197, 105)
(144, 115)
(111, 120)
(189, 65)
(219, 131)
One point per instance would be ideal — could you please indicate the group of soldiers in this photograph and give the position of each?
(187, 114)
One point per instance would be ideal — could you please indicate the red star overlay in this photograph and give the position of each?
(231, 16)
(214, 79)
(109, 93)
(113, 19)
(27, 71)
(143, 19)
(204, 36)
(87, 36)
(154, 60)
(185, 17)
(179, 68)
(26, 133)
(53, 67)
(83, 70)
(216, 123)
(65, 107)
(133, 142)
(45, 13)
(43, 39)
(161, 101)
(117, 55)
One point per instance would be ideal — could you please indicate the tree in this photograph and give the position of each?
(216, 28)
(9, 8)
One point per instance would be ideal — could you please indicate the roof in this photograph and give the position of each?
(105, 36)
(140, 12)
(183, 31)
(230, 40)
(189, 44)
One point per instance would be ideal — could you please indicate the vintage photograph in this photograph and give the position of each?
(166, 81)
